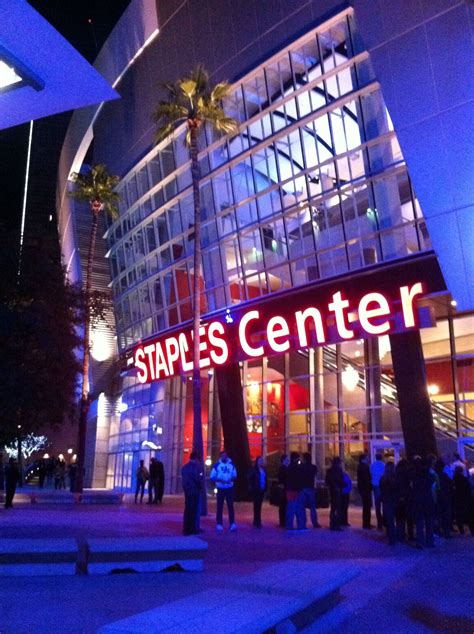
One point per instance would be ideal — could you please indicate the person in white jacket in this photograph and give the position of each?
(224, 474)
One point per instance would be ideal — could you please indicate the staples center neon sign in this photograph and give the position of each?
(257, 334)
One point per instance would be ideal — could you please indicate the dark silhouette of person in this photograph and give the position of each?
(160, 469)
(72, 473)
(309, 472)
(41, 473)
(192, 481)
(422, 483)
(462, 500)
(377, 469)
(364, 485)
(12, 476)
(335, 484)
(142, 477)
(282, 471)
(445, 498)
(294, 494)
(154, 482)
(403, 508)
(389, 496)
(258, 485)
(345, 498)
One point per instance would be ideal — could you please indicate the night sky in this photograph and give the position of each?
(72, 19)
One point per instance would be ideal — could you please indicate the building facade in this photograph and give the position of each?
(312, 206)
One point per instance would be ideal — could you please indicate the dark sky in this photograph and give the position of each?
(85, 24)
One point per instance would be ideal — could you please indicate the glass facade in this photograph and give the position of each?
(314, 185)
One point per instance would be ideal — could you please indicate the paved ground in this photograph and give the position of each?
(400, 589)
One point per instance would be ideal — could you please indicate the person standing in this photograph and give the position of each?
(364, 485)
(160, 469)
(389, 496)
(258, 486)
(423, 502)
(41, 473)
(294, 494)
(445, 495)
(224, 474)
(377, 469)
(335, 484)
(403, 512)
(192, 480)
(462, 500)
(309, 472)
(72, 473)
(12, 476)
(282, 473)
(142, 477)
(153, 482)
(345, 498)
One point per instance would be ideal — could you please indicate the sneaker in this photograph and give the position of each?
(233, 526)
(219, 528)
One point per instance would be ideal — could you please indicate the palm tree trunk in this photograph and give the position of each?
(198, 444)
(84, 404)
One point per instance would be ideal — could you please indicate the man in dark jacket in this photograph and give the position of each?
(12, 476)
(153, 482)
(309, 471)
(335, 484)
(192, 481)
(364, 485)
(282, 473)
(294, 495)
(423, 502)
(160, 469)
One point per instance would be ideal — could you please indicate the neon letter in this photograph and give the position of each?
(277, 327)
(187, 366)
(366, 314)
(407, 296)
(301, 316)
(337, 307)
(217, 342)
(142, 367)
(172, 352)
(149, 350)
(252, 352)
(203, 362)
(160, 362)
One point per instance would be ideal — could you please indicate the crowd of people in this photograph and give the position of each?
(413, 500)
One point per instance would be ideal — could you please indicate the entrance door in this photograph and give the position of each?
(390, 450)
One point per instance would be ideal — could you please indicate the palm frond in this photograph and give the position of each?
(97, 185)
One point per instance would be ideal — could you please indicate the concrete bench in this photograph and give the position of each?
(100, 497)
(284, 598)
(52, 497)
(217, 610)
(145, 554)
(35, 557)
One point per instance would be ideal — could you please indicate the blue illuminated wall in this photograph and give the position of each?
(422, 55)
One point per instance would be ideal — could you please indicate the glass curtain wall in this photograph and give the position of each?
(314, 185)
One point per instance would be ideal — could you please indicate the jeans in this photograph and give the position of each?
(228, 496)
(424, 521)
(191, 513)
(378, 506)
(140, 489)
(295, 507)
(309, 499)
(153, 490)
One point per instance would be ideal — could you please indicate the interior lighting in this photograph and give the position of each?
(122, 407)
(61, 456)
(208, 462)
(70, 450)
(8, 76)
(454, 303)
(350, 378)
(45, 456)
(433, 389)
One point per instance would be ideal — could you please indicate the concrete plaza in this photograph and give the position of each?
(399, 589)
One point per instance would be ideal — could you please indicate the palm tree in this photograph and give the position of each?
(191, 100)
(95, 187)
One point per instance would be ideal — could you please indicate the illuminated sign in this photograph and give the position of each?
(305, 319)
